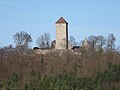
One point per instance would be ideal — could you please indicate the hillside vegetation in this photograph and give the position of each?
(59, 70)
(95, 65)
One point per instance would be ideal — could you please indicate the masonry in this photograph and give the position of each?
(61, 34)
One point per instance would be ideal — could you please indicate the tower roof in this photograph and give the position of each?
(61, 20)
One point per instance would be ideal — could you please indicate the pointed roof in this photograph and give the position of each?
(61, 20)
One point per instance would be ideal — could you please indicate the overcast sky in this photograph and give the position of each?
(85, 18)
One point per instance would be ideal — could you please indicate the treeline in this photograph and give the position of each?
(59, 70)
(93, 66)
(23, 40)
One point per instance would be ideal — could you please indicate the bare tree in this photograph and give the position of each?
(47, 39)
(96, 42)
(22, 39)
(100, 42)
(92, 40)
(111, 41)
(43, 40)
(72, 41)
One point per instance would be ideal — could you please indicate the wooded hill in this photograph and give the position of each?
(95, 68)
(92, 70)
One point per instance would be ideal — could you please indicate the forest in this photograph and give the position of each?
(97, 67)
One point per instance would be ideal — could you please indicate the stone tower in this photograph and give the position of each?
(61, 34)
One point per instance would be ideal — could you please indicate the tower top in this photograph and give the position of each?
(61, 20)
